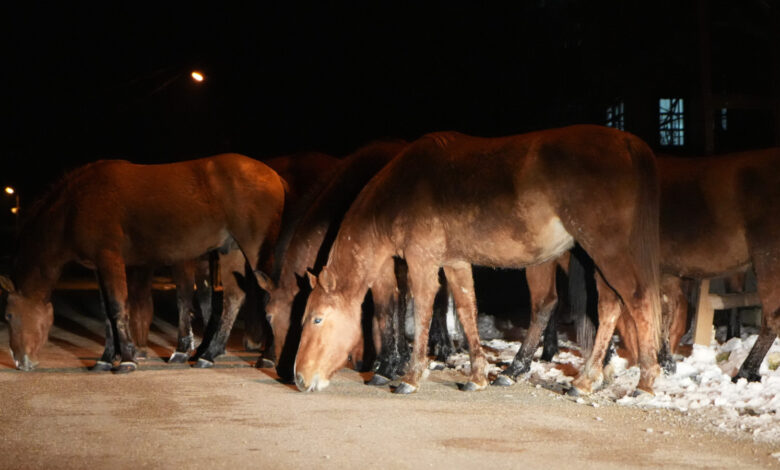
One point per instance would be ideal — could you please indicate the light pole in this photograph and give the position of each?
(14, 210)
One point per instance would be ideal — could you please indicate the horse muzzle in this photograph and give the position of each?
(25, 364)
(316, 383)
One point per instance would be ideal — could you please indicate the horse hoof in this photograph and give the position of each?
(574, 392)
(141, 354)
(203, 364)
(378, 380)
(405, 389)
(102, 366)
(264, 363)
(126, 367)
(751, 377)
(503, 381)
(178, 358)
(639, 393)
(472, 387)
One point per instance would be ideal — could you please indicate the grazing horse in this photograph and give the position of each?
(450, 200)
(311, 241)
(112, 214)
(305, 174)
(719, 216)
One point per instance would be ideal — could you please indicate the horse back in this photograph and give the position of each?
(312, 240)
(171, 210)
(511, 194)
(714, 205)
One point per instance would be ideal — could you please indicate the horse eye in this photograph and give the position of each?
(8, 316)
(317, 320)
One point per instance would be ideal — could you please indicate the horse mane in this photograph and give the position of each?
(55, 192)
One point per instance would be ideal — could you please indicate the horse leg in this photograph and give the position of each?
(626, 329)
(113, 283)
(749, 368)
(609, 311)
(461, 280)
(140, 306)
(541, 286)
(385, 308)
(440, 342)
(768, 280)
(231, 265)
(106, 361)
(184, 278)
(550, 336)
(423, 280)
(674, 311)
(204, 286)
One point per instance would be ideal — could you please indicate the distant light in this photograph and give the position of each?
(197, 76)
(14, 210)
(9, 190)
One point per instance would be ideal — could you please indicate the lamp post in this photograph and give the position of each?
(14, 210)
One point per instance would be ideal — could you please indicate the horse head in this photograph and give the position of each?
(331, 330)
(29, 321)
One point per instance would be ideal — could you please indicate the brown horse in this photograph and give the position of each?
(113, 214)
(720, 216)
(450, 199)
(311, 241)
(305, 174)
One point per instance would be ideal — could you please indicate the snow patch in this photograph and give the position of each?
(701, 386)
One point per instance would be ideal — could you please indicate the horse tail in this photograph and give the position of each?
(645, 237)
(581, 294)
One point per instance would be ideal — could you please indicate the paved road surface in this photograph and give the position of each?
(239, 417)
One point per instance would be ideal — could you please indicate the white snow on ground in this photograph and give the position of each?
(701, 387)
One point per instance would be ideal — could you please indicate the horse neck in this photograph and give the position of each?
(355, 260)
(41, 257)
(36, 280)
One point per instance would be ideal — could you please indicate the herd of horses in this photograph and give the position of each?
(303, 239)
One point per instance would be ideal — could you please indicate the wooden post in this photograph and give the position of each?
(702, 330)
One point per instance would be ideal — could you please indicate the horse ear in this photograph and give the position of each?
(7, 284)
(327, 280)
(312, 279)
(264, 281)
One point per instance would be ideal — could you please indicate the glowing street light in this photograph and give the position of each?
(197, 76)
(14, 210)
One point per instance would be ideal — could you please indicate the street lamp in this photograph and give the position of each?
(14, 210)
(197, 76)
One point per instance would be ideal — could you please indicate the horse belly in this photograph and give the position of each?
(167, 248)
(518, 245)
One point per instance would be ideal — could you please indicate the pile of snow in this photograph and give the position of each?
(701, 386)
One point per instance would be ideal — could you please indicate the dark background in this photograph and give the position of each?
(86, 81)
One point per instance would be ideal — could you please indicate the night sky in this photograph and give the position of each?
(83, 82)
